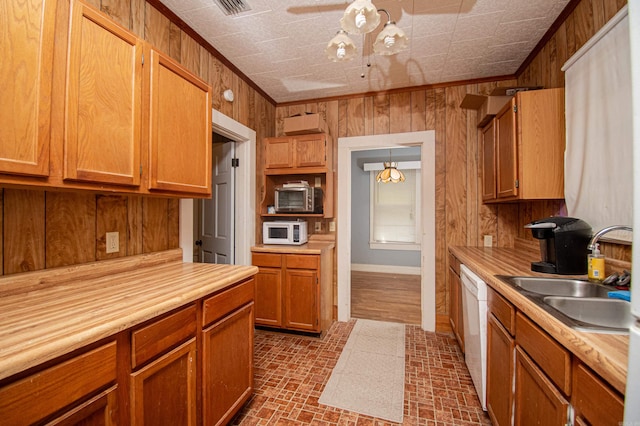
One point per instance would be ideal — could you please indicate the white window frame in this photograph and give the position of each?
(395, 245)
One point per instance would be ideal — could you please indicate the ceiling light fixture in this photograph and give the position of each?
(340, 48)
(362, 17)
(390, 173)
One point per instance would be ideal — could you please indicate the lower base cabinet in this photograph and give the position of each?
(164, 391)
(171, 370)
(500, 349)
(537, 401)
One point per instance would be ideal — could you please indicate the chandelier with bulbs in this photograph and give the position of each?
(362, 17)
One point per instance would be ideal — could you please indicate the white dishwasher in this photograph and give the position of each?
(474, 304)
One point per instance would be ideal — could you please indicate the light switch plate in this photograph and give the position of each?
(332, 226)
(488, 240)
(113, 242)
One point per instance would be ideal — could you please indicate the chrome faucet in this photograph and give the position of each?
(600, 233)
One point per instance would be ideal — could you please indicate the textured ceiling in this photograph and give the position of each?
(279, 44)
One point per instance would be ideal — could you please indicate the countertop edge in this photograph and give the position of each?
(601, 352)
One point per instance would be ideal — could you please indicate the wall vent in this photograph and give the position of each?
(233, 7)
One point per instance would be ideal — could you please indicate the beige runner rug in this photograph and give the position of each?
(369, 376)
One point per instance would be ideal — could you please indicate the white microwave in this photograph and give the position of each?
(284, 232)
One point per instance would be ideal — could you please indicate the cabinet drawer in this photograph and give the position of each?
(552, 358)
(221, 304)
(159, 336)
(302, 261)
(594, 400)
(267, 259)
(454, 263)
(42, 394)
(502, 309)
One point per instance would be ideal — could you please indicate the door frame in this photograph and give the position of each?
(245, 217)
(426, 141)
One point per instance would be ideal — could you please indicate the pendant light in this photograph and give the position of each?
(391, 39)
(360, 17)
(390, 173)
(340, 48)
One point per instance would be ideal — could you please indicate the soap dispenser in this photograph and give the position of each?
(595, 265)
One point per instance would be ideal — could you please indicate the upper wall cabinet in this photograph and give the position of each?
(297, 152)
(180, 128)
(26, 78)
(104, 101)
(522, 149)
(134, 120)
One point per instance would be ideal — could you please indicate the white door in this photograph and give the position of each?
(217, 214)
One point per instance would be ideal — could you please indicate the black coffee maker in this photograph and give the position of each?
(563, 245)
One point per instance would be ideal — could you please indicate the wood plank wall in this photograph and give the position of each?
(46, 229)
(461, 218)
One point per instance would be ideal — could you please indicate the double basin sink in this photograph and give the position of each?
(579, 304)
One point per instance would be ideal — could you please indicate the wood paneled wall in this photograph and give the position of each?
(49, 229)
(460, 216)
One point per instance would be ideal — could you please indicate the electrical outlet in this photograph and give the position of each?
(318, 226)
(318, 182)
(113, 242)
(332, 226)
(488, 240)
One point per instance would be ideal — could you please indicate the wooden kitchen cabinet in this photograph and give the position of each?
(103, 120)
(456, 318)
(537, 401)
(163, 390)
(294, 158)
(179, 128)
(522, 148)
(293, 290)
(593, 400)
(227, 375)
(268, 310)
(500, 372)
(302, 151)
(80, 388)
(25, 110)
(133, 120)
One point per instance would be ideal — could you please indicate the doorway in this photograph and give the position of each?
(215, 216)
(426, 141)
(245, 202)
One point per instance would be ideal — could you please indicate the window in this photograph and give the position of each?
(395, 212)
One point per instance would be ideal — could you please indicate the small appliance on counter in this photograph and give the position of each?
(563, 245)
(285, 232)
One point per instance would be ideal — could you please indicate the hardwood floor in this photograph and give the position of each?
(385, 297)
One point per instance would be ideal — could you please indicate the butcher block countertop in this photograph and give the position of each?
(312, 247)
(48, 313)
(604, 353)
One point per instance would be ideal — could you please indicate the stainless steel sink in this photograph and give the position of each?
(559, 286)
(598, 311)
(579, 304)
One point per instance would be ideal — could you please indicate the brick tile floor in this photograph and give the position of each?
(291, 371)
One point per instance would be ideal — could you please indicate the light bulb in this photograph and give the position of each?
(389, 41)
(361, 20)
(341, 51)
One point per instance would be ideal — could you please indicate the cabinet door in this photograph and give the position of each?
(301, 295)
(310, 151)
(98, 411)
(103, 102)
(227, 366)
(278, 153)
(537, 401)
(488, 161)
(506, 152)
(25, 83)
(180, 129)
(500, 366)
(455, 308)
(164, 391)
(595, 403)
(269, 297)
